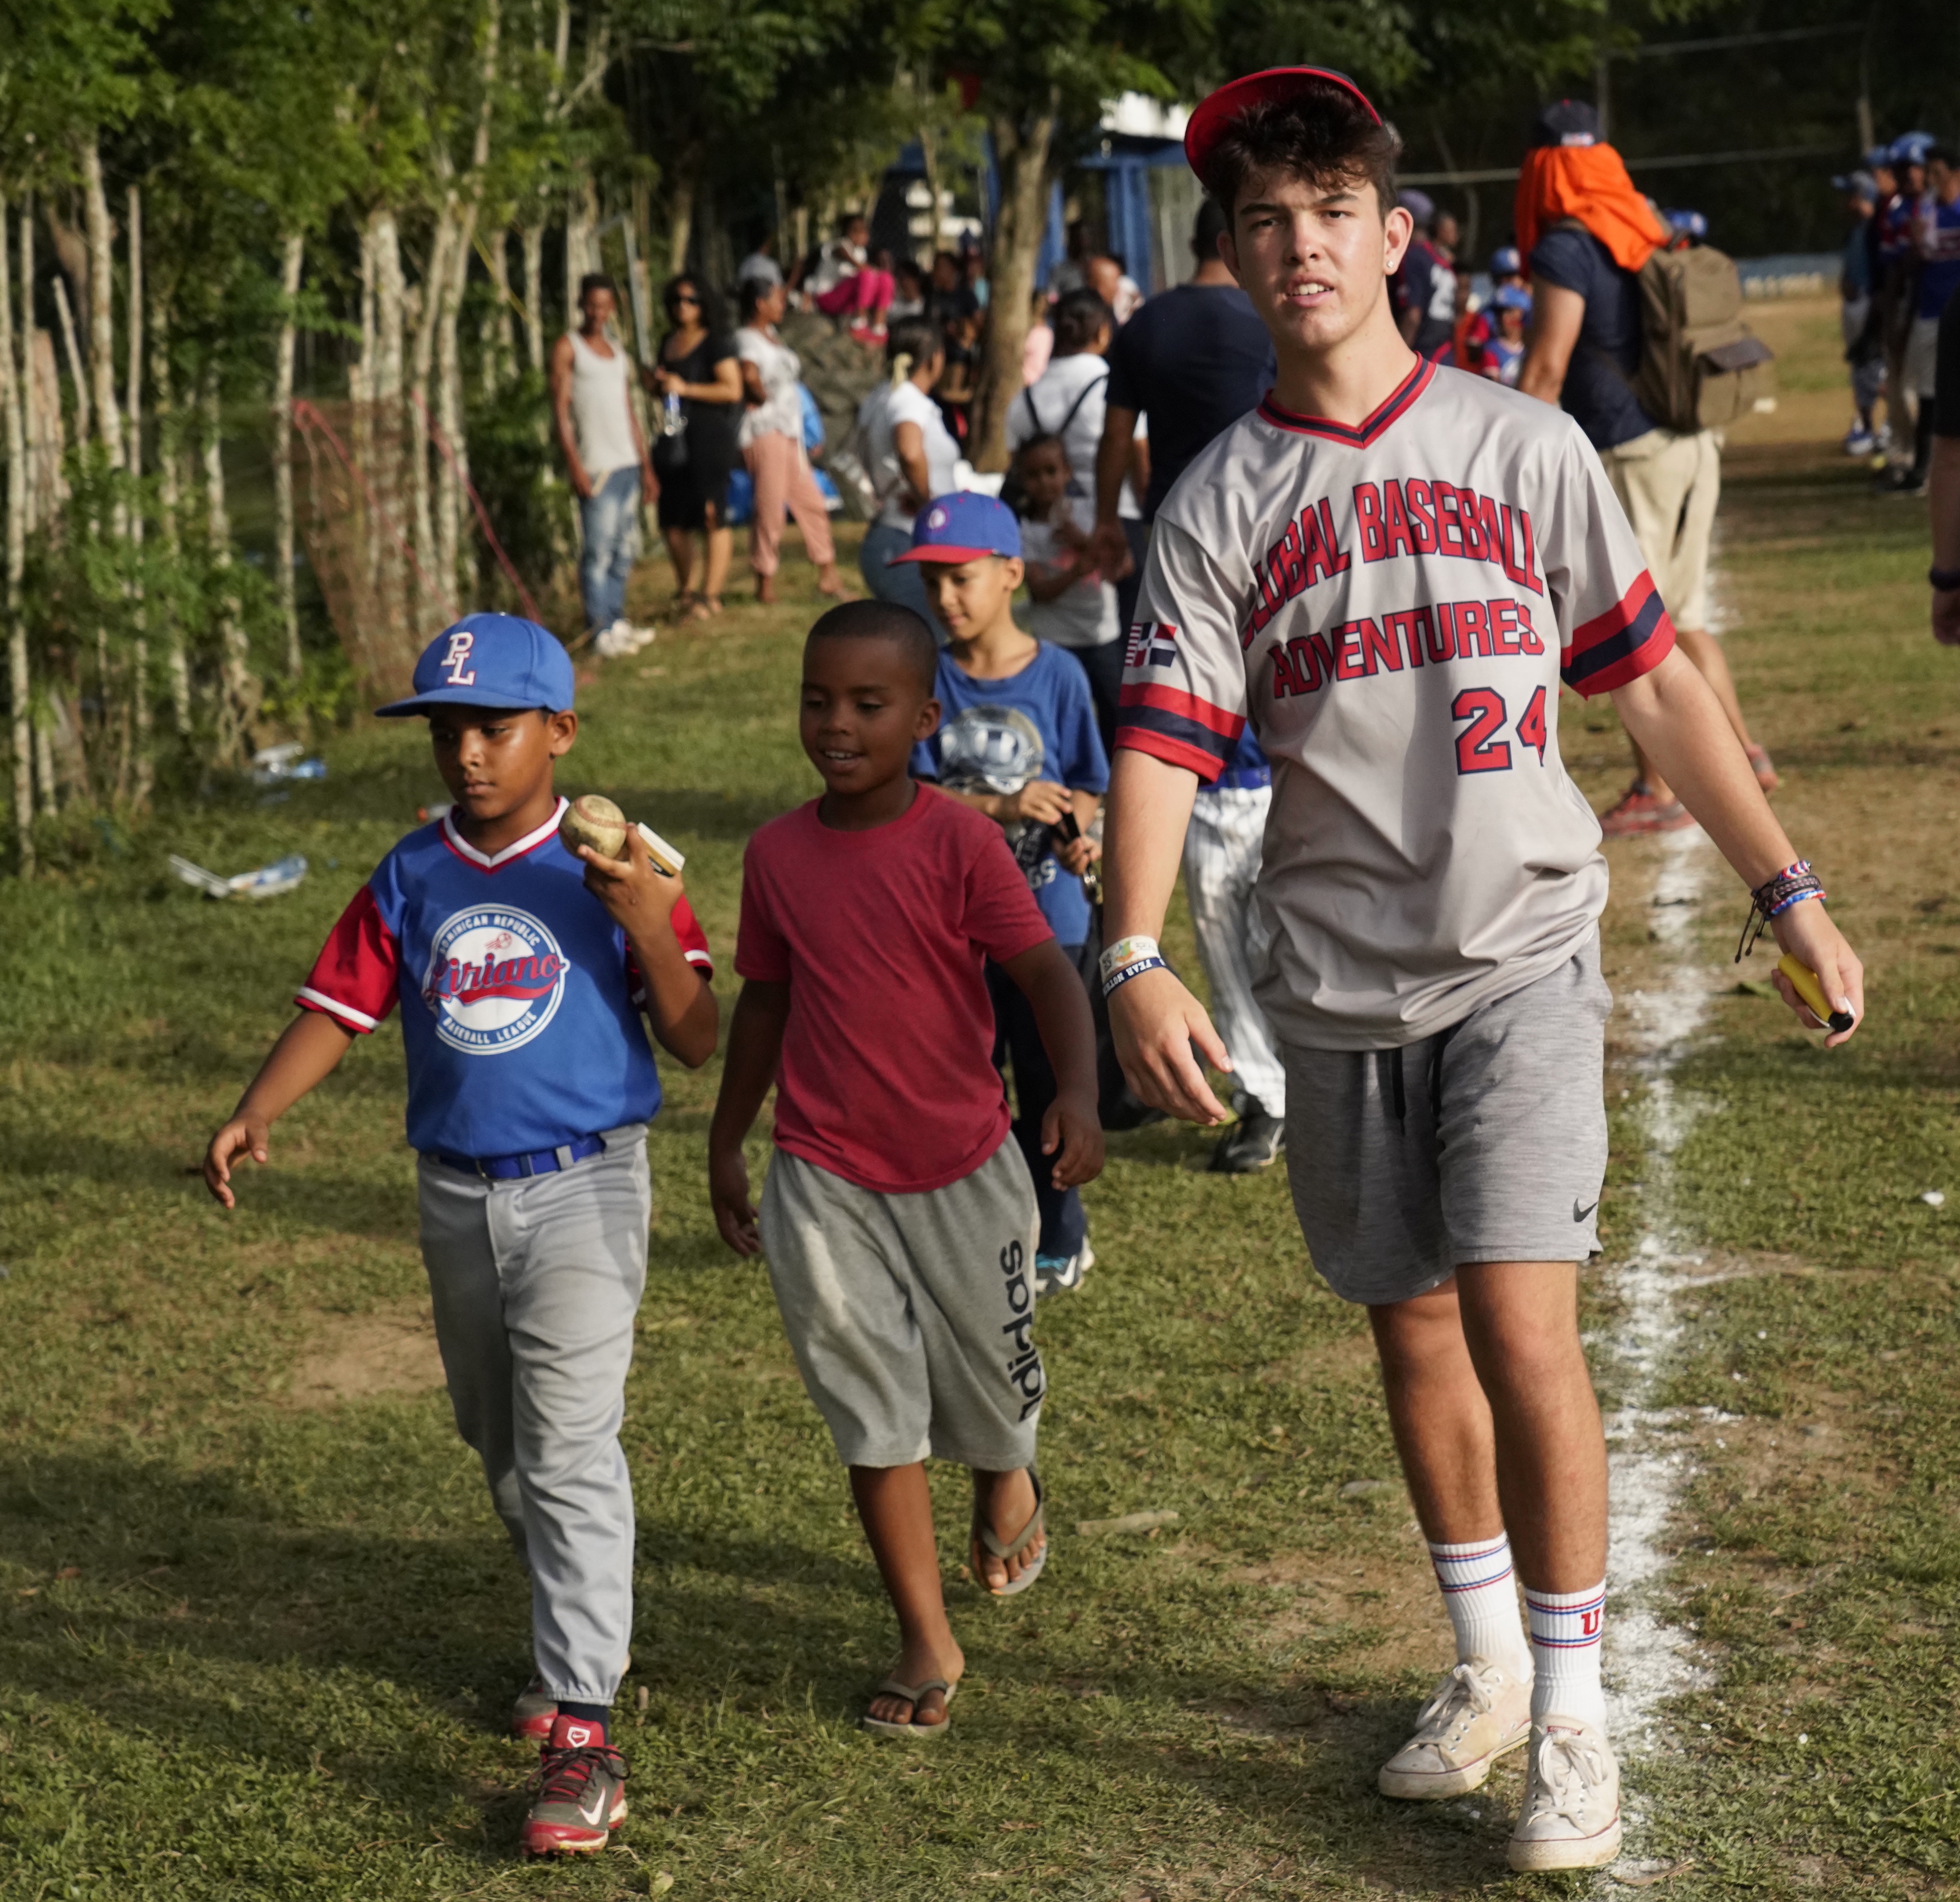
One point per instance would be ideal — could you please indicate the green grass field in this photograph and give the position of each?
(258, 1629)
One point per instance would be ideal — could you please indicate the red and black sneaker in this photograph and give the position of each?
(1639, 811)
(535, 1712)
(581, 1792)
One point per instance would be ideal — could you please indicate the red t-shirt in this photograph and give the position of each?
(887, 1076)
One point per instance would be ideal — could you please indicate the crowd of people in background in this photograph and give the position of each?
(1121, 391)
(1902, 267)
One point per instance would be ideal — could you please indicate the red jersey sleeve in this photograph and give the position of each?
(761, 952)
(355, 979)
(1000, 915)
(693, 947)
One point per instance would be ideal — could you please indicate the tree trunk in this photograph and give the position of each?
(387, 466)
(19, 687)
(499, 345)
(416, 413)
(82, 425)
(70, 250)
(1023, 154)
(291, 260)
(44, 772)
(146, 770)
(238, 698)
(30, 431)
(101, 306)
(454, 468)
(680, 215)
(49, 445)
(533, 237)
(578, 223)
(170, 496)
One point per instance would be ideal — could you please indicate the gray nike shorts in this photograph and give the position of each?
(1486, 1142)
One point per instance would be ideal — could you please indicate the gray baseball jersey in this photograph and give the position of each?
(1394, 606)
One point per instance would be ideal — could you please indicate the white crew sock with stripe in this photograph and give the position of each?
(1565, 1650)
(1483, 1604)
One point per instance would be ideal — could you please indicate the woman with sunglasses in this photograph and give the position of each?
(696, 364)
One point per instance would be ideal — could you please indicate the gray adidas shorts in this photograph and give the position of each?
(911, 1316)
(1485, 1143)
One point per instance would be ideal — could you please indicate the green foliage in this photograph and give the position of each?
(517, 473)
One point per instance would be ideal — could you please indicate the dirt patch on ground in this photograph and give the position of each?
(356, 1356)
(1336, 1604)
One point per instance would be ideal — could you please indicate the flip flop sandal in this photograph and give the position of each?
(891, 1688)
(1006, 1549)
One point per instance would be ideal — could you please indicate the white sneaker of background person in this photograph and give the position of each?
(621, 638)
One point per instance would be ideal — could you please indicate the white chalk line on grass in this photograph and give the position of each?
(1648, 1659)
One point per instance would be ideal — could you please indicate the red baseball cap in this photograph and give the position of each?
(1206, 125)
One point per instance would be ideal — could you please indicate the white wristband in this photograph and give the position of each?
(1124, 953)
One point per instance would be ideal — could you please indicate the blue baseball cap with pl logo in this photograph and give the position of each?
(963, 527)
(489, 660)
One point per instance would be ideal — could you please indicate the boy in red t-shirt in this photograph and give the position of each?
(899, 1221)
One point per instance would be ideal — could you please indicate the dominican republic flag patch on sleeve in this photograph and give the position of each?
(1153, 644)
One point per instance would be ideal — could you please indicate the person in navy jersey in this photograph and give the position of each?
(1425, 289)
(1017, 740)
(527, 979)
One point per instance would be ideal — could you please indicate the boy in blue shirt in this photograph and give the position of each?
(1016, 740)
(522, 985)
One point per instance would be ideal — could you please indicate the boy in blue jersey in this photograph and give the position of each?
(1017, 740)
(522, 975)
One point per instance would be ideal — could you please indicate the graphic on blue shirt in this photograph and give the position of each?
(495, 979)
(519, 1019)
(996, 735)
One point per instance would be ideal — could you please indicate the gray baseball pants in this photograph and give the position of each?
(536, 1283)
(1223, 850)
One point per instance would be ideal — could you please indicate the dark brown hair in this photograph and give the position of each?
(1322, 134)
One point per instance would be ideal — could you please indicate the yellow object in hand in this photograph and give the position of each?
(1803, 981)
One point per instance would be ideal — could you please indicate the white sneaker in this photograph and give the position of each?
(1571, 1814)
(614, 643)
(1478, 1712)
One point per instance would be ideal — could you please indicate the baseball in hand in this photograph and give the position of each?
(594, 821)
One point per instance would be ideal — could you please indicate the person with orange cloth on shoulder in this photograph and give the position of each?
(1584, 232)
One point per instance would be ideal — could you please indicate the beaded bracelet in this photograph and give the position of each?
(1773, 896)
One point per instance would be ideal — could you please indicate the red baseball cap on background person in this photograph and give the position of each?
(1207, 122)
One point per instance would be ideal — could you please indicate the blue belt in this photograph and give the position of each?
(510, 1168)
(1244, 780)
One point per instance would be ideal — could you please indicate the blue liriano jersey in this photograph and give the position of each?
(520, 997)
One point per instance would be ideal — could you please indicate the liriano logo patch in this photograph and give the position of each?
(495, 979)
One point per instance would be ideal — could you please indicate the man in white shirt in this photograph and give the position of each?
(605, 461)
(1388, 569)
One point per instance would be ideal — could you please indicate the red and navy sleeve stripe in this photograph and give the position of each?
(1620, 645)
(1178, 728)
(693, 947)
(355, 979)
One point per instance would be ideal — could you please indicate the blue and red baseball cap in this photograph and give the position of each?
(489, 660)
(1208, 121)
(963, 527)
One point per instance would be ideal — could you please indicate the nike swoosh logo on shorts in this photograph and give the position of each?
(1580, 1214)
